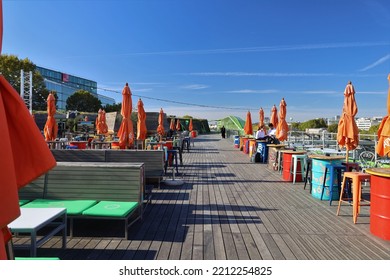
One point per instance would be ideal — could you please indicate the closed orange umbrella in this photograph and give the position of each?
(274, 116)
(101, 125)
(51, 129)
(24, 155)
(261, 117)
(282, 128)
(125, 132)
(141, 124)
(348, 132)
(172, 125)
(178, 126)
(383, 147)
(160, 128)
(190, 126)
(104, 123)
(248, 129)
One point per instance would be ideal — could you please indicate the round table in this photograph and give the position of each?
(380, 202)
(318, 171)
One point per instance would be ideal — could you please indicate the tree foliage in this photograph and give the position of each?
(315, 123)
(10, 66)
(113, 107)
(374, 129)
(333, 128)
(83, 101)
(295, 126)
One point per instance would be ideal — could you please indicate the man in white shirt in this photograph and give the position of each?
(260, 132)
(272, 130)
(270, 137)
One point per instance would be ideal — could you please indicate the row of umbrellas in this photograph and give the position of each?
(126, 130)
(279, 122)
(348, 132)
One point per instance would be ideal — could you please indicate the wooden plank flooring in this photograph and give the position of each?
(228, 209)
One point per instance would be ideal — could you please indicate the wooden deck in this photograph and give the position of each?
(228, 209)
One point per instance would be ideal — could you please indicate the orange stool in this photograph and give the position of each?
(356, 178)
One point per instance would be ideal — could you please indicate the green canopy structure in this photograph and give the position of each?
(232, 123)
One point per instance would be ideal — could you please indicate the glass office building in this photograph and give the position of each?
(65, 85)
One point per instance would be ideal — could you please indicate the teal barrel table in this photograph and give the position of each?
(318, 165)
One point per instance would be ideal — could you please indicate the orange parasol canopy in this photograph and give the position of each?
(172, 125)
(190, 126)
(261, 116)
(23, 159)
(141, 124)
(51, 129)
(160, 128)
(348, 132)
(282, 128)
(274, 116)
(178, 125)
(383, 147)
(101, 125)
(248, 129)
(125, 132)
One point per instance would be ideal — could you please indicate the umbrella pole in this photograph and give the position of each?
(347, 156)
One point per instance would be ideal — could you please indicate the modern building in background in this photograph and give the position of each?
(65, 85)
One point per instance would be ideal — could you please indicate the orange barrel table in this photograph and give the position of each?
(287, 158)
(79, 144)
(115, 145)
(380, 202)
(245, 146)
(274, 159)
(318, 163)
(252, 146)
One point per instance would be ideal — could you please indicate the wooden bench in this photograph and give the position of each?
(86, 188)
(153, 159)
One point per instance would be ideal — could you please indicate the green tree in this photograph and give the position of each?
(315, 123)
(373, 129)
(295, 126)
(83, 101)
(113, 107)
(333, 128)
(10, 66)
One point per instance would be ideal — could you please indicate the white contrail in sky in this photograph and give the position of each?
(246, 49)
(376, 63)
(260, 74)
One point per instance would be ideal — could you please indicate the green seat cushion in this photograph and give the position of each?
(23, 201)
(111, 209)
(73, 207)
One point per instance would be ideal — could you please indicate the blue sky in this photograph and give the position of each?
(229, 56)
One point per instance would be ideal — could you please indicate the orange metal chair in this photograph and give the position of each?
(356, 178)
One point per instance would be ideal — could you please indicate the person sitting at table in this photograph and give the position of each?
(270, 137)
(260, 132)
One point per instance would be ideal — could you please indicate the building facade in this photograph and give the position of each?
(65, 85)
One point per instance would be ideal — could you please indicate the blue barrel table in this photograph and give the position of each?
(262, 148)
(318, 172)
(236, 141)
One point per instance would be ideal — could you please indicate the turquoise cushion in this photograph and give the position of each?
(73, 207)
(23, 201)
(111, 209)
